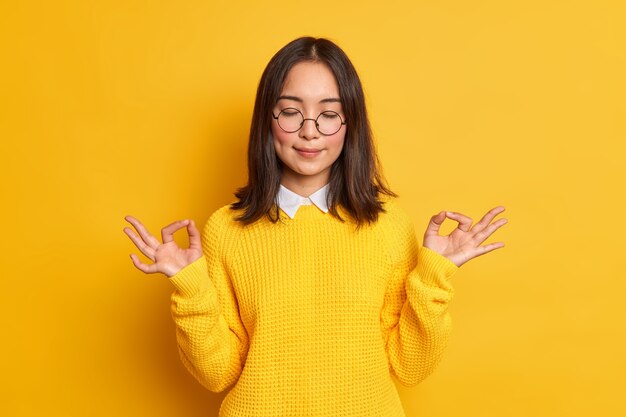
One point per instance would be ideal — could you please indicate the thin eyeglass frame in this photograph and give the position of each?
(304, 119)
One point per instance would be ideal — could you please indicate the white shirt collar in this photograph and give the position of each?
(289, 201)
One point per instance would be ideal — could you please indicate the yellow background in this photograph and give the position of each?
(125, 107)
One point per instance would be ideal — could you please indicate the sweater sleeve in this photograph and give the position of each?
(212, 341)
(415, 320)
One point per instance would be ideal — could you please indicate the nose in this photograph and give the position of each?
(309, 130)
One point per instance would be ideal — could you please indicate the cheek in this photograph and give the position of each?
(336, 143)
(280, 138)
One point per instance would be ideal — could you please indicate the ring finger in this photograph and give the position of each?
(488, 231)
(487, 218)
(145, 249)
(152, 241)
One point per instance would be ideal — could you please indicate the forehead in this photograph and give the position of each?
(311, 80)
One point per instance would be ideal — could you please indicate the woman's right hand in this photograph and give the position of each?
(168, 258)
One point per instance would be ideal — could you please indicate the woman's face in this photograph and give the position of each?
(307, 155)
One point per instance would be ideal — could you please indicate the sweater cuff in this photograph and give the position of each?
(431, 266)
(191, 279)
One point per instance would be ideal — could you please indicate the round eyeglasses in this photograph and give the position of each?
(291, 120)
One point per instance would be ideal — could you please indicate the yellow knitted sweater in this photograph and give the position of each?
(308, 317)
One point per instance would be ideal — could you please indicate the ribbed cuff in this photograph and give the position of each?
(192, 278)
(432, 265)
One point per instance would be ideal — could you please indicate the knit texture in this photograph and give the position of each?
(309, 317)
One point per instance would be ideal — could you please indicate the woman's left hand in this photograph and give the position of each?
(464, 242)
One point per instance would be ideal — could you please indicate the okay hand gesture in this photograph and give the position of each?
(167, 256)
(464, 242)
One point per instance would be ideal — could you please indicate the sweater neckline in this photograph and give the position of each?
(305, 212)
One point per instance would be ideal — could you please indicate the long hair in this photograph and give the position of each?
(356, 181)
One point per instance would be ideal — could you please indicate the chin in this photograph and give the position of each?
(308, 173)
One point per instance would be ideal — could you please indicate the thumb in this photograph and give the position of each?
(194, 235)
(435, 223)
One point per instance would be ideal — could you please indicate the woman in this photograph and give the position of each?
(310, 291)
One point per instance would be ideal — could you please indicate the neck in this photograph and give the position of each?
(303, 186)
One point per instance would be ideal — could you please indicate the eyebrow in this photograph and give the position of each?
(298, 99)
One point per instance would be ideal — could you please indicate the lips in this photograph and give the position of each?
(308, 152)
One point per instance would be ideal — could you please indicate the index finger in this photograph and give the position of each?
(167, 233)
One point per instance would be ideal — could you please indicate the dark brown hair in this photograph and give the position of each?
(356, 180)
